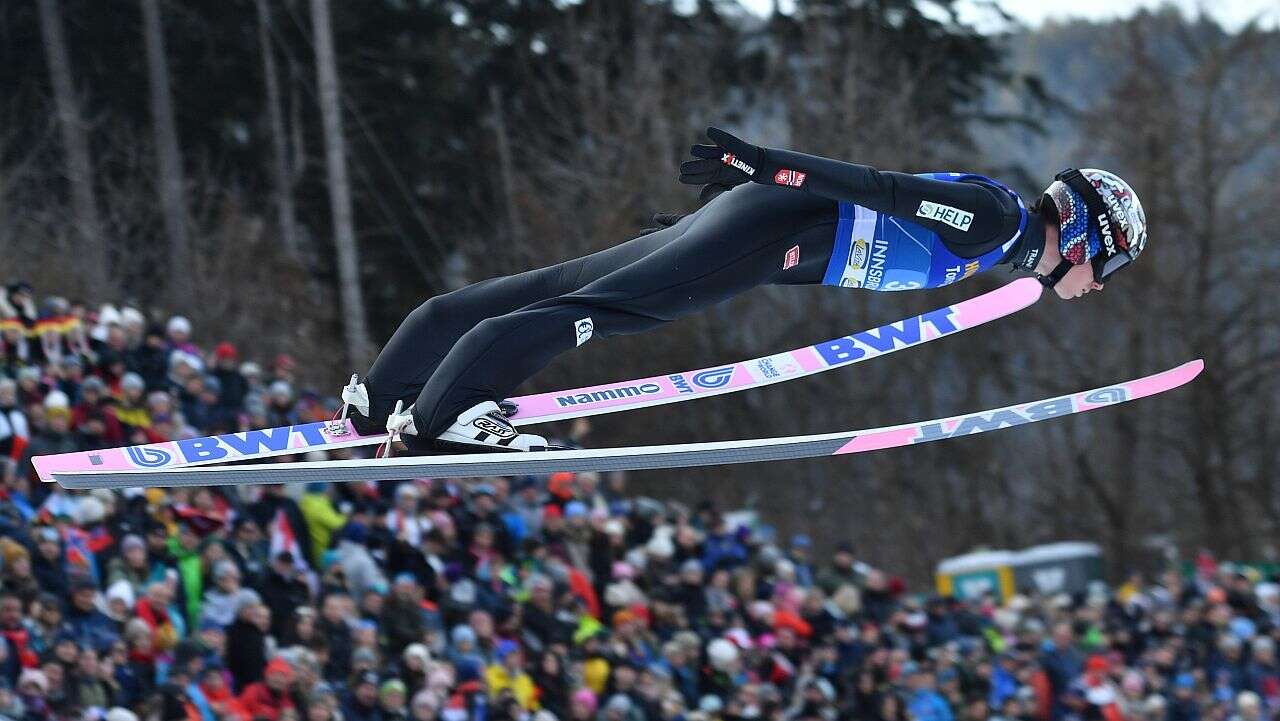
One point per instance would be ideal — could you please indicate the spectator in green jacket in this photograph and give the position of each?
(323, 520)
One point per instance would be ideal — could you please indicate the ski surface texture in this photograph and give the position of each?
(646, 457)
(577, 402)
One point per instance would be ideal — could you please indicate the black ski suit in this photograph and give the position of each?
(481, 342)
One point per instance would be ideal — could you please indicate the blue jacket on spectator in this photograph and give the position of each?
(928, 705)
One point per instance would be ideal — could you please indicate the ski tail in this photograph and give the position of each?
(651, 457)
(230, 447)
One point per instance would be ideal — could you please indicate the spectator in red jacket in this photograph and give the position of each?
(14, 632)
(94, 416)
(213, 683)
(153, 609)
(270, 697)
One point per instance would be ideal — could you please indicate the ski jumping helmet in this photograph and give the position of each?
(1100, 221)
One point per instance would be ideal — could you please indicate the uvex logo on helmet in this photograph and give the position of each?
(1121, 216)
(1104, 227)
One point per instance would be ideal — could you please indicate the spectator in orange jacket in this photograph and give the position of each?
(268, 698)
(213, 683)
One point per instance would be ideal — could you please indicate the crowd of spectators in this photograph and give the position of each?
(535, 598)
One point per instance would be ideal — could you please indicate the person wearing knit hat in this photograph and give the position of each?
(560, 485)
(618, 707)
(226, 351)
(360, 703)
(272, 696)
(416, 657)
(280, 669)
(509, 674)
(233, 384)
(583, 704)
(211, 682)
(425, 706)
(118, 713)
(391, 698)
(178, 329)
(132, 564)
(56, 400)
(32, 681)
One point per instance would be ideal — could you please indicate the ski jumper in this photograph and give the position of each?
(850, 226)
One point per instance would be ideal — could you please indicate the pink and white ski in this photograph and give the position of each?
(645, 457)
(577, 402)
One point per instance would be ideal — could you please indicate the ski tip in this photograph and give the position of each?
(1192, 368)
(1186, 372)
(1028, 290)
(1157, 383)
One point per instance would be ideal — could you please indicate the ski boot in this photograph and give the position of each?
(484, 427)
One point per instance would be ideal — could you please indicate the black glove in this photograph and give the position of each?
(663, 220)
(729, 163)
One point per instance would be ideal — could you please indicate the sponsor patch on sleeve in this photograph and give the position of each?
(792, 178)
(954, 217)
(792, 258)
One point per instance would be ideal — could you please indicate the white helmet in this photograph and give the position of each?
(1100, 221)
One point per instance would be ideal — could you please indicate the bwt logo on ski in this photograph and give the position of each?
(714, 378)
(231, 445)
(980, 422)
(682, 385)
(886, 338)
(144, 457)
(1106, 396)
(609, 394)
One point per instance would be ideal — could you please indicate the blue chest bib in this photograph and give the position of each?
(883, 252)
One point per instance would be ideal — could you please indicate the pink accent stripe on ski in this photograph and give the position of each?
(809, 360)
(878, 440)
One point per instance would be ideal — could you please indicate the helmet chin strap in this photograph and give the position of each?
(1056, 274)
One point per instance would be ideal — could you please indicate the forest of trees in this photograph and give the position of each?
(300, 174)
